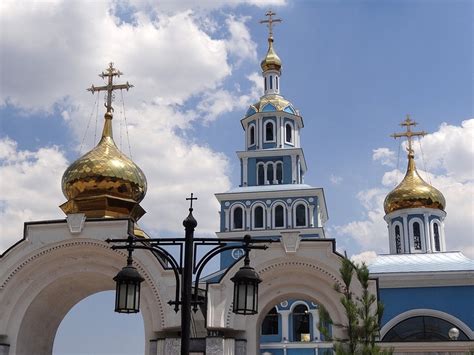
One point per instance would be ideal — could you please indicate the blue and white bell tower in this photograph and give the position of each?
(272, 199)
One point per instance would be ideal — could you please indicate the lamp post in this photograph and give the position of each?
(245, 281)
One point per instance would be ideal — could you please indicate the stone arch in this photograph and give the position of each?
(41, 287)
(316, 266)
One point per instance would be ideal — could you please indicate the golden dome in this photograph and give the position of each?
(104, 182)
(271, 60)
(413, 192)
(277, 101)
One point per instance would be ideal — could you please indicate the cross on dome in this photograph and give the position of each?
(270, 22)
(191, 199)
(408, 123)
(109, 73)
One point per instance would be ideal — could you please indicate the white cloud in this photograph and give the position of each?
(451, 152)
(240, 43)
(30, 188)
(385, 155)
(366, 257)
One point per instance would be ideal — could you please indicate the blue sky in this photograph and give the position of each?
(352, 68)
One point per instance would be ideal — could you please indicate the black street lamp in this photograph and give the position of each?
(246, 280)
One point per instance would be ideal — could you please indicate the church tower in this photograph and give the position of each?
(272, 199)
(414, 209)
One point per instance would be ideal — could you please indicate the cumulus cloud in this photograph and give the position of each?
(30, 188)
(451, 156)
(171, 57)
(384, 155)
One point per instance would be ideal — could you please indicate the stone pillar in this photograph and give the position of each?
(245, 163)
(315, 315)
(311, 216)
(220, 346)
(170, 346)
(406, 237)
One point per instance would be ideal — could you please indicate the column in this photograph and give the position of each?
(289, 220)
(278, 131)
(269, 218)
(429, 243)
(260, 133)
(406, 237)
(248, 212)
(245, 171)
(285, 321)
(293, 169)
(315, 314)
(220, 346)
(311, 215)
(226, 218)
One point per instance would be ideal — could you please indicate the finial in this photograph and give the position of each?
(191, 199)
(109, 73)
(270, 22)
(408, 123)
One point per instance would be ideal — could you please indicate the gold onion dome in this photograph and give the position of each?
(272, 60)
(413, 192)
(104, 182)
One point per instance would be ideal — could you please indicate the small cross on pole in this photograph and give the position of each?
(270, 22)
(109, 73)
(408, 123)
(191, 199)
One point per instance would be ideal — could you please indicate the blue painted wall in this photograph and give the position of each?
(454, 300)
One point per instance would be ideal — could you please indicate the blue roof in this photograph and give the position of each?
(412, 263)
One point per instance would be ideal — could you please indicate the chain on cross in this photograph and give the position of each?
(270, 22)
(109, 73)
(408, 123)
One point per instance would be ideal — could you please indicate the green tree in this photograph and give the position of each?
(363, 314)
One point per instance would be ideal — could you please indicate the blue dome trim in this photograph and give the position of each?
(290, 109)
(268, 108)
(250, 111)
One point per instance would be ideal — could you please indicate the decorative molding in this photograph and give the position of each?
(290, 241)
(75, 222)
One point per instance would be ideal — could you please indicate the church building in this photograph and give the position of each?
(426, 289)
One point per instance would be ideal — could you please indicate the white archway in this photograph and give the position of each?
(45, 275)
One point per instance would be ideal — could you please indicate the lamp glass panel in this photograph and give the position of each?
(131, 296)
(122, 299)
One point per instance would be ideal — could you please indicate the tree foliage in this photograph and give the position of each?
(363, 314)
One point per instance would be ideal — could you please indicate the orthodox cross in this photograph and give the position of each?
(270, 22)
(191, 199)
(110, 72)
(409, 133)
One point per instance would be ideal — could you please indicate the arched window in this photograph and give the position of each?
(288, 133)
(258, 217)
(300, 215)
(436, 236)
(252, 135)
(270, 173)
(238, 218)
(271, 82)
(416, 236)
(270, 323)
(261, 175)
(422, 328)
(276, 81)
(398, 240)
(265, 83)
(269, 134)
(279, 173)
(279, 216)
(300, 318)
